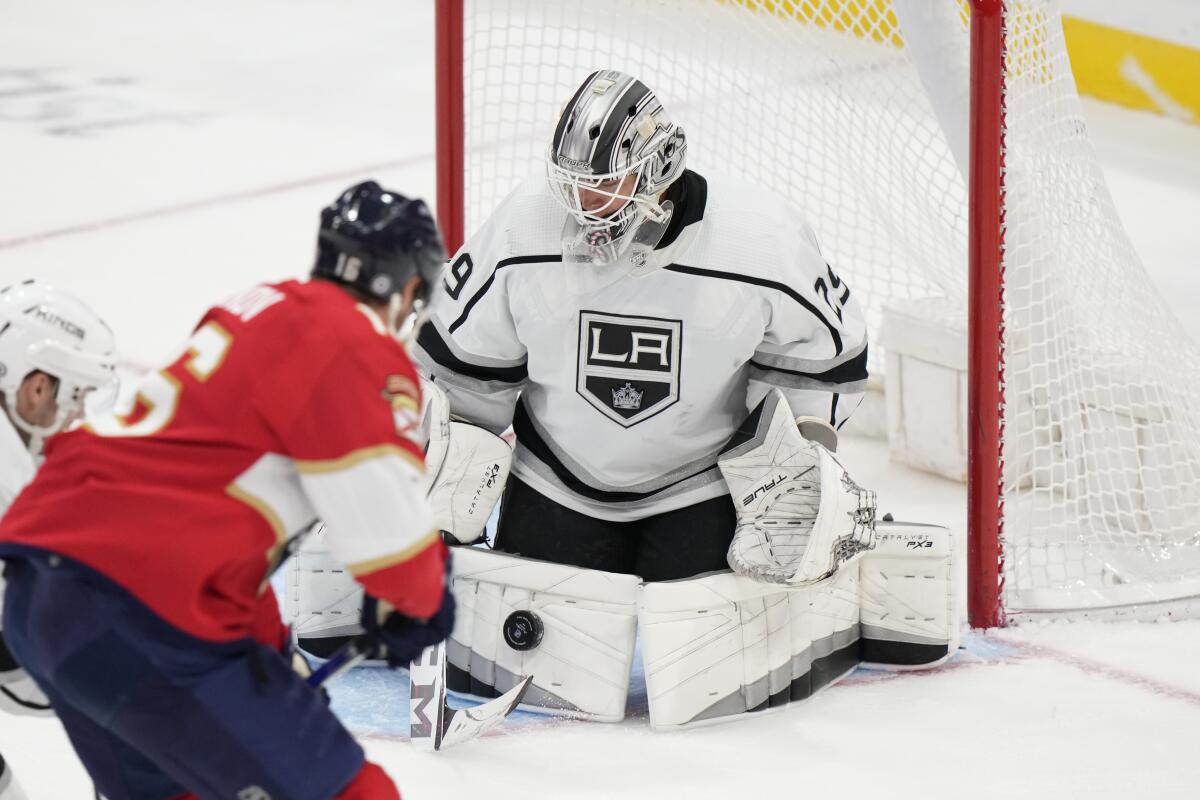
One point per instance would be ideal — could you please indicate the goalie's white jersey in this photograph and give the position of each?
(623, 384)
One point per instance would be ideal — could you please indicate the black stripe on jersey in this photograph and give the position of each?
(852, 371)
(528, 437)
(572, 112)
(789, 291)
(833, 412)
(508, 262)
(433, 344)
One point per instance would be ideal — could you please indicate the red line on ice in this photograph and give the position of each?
(1024, 650)
(208, 202)
(1109, 671)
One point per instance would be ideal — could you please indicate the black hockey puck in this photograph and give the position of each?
(523, 630)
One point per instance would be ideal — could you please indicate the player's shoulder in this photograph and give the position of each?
(526, 223)
(338, 319)
(315, 315)
(752, 231)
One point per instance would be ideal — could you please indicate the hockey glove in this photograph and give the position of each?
(403, 638)
(800, 516)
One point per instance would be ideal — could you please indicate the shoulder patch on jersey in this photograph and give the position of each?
(401, 393)
(628, 366)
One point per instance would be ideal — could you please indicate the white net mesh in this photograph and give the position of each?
(855, 110)
(1102, 486)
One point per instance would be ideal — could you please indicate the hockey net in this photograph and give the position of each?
(857, 112)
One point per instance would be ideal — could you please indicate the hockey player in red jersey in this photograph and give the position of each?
(138, 558)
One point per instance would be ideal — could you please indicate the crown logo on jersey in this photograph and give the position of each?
(627, 398)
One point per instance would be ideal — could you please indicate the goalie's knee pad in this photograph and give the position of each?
(323, 599)
(722, 645)
(572, 629)
(909, 616)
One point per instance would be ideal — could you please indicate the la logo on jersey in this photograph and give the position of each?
(628, 366)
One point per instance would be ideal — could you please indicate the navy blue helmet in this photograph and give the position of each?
(375, 241)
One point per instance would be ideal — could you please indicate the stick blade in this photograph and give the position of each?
(467, 723)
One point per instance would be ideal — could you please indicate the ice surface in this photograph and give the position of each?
(159, 156)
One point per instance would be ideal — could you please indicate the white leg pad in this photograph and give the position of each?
(323, 599)
(909, 620)
(724, 645)
(582, 664)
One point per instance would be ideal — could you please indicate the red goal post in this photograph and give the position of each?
(451, 209)
(985, 401)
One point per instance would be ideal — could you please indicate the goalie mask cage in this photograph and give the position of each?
(1084, 467)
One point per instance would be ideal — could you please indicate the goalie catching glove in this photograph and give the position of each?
(800, 516)
(466, 469)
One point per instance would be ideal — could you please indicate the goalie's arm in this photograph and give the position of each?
(469, 345)
(814, 346)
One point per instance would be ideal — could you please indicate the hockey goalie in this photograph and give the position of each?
(675, 357)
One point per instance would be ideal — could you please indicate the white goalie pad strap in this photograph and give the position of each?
(800, 516)
(469, 481)
(323, 599)
(723, 645)
(909, 620)
(588, 621)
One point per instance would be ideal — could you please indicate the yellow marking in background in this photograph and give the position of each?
(867, 19)
(1134, 70)
(1108, 63)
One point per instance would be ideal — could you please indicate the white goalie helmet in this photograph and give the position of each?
(44, 329)
(613, 153)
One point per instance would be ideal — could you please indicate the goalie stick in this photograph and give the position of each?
(433, 724)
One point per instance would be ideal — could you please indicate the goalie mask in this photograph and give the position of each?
(43, 329)
(614, 152)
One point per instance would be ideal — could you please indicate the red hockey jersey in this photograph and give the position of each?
(290, 403)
